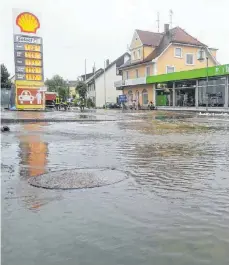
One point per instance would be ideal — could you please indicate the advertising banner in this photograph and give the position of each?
(29, 97)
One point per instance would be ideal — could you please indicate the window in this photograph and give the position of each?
(190, 58)
(170, 69)
(145, 97)
(136, 73)
(201, 55)
(178, 52)
(130, 96)
(139, 53)
(127, 75)
(134, 55)
(147, 70)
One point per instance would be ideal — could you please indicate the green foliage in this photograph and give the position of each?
(5, 82)
(59, 85)
(75, 102)
(82, 90)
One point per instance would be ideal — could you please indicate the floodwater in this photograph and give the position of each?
(172, 209)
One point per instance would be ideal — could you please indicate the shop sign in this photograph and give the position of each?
(28, 47)
(28, 59)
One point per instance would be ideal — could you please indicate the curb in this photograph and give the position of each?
(3, 120)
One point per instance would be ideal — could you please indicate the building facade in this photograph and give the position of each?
(153, 54)
(195, 88)
(101, 88)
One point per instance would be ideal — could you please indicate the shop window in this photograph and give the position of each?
(130, 96)
(213, 93)
(189, 58)
(145, 97)
(137, 96)
(185, 97)
(164, 97)
(228, 89)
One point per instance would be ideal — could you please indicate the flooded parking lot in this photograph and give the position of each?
(173, 207)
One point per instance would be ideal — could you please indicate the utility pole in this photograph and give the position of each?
(207, 86)
(85, 65)
(171, 18)
(105, 89)
(158, 22)
(94, 83)
(85, 69)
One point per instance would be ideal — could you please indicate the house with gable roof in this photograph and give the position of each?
(152, 54)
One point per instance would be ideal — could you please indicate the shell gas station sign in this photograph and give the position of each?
(28, 58)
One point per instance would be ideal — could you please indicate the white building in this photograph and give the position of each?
(101, 87)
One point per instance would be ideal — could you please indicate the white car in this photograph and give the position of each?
(26, 96)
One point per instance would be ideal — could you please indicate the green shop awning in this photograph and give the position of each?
(219, 70)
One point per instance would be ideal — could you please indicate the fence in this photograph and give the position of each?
(7, 97)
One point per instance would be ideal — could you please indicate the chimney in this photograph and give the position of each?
(93, 69)
(166, 28)
(107, 62)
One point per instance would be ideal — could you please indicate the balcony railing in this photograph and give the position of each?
(130, 82)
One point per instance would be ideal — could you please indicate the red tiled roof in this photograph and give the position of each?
(161, 41)
(149, 38)
(179, 35)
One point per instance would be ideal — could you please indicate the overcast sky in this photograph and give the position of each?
(101, 29)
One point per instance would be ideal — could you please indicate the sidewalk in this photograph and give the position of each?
(194, 109)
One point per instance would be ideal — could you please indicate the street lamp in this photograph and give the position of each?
(201, 58)
(68, 88)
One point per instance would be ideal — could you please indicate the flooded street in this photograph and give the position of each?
(173, 207)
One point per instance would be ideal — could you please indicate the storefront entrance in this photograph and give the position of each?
(185, 97)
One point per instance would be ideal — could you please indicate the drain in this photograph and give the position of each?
(78, 179)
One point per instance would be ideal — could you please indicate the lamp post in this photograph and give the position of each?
(68, 88)
(201, 58)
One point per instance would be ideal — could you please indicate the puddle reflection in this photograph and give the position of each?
(33, 150)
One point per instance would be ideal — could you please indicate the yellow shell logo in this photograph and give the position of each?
(28, 22)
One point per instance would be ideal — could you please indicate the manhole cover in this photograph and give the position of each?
(78, 179)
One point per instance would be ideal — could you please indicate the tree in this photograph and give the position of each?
(81, 88)
(57, 84)
(5, 82)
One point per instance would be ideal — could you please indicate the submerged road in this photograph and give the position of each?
(172, 208)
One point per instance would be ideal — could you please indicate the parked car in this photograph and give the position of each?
(112, 105)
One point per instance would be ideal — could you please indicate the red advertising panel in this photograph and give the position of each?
(29, 98)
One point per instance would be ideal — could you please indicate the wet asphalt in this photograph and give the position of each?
(170, 208)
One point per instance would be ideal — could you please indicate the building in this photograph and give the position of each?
(101, 86)
(197, 88)
(153, 54)
(72, 88)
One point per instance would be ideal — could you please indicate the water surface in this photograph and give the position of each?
(173, 208)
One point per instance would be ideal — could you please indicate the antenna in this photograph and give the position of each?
(171, 18)
(158, 22)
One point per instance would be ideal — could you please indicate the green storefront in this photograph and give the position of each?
(191, 88)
